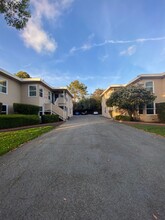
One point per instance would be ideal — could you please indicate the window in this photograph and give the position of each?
(32, 91)
(49, 95)
(150, 108)
(41, 92)
(149, 86)
(141, 108)
(3, 86)
(4, 109)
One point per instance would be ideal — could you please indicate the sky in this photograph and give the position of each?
(98, 42)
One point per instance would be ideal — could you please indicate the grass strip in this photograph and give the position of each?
(156, 129)
(13, 139)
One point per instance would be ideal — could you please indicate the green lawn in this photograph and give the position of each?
(13, 139)
(156, 129)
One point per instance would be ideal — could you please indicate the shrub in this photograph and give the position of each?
(50, 118)
(160, 107)
(0, 107)
(123, 118)
(25, 109)
(12, 121)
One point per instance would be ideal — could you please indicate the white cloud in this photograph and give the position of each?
(86, 47)
(106, 42)
(85, 78)
(129, 51)
(34, 35)
(65, 3)
(44, 8)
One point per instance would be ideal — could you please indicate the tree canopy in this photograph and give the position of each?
(78, 89)
(22, 74)
(16, 13)
(88, 105)
(96, 94)
(129, 98)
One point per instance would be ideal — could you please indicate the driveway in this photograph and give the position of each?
(89, 168)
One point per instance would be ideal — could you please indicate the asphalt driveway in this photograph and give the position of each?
(89, 168)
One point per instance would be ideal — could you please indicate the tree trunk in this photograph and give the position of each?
(130, 113)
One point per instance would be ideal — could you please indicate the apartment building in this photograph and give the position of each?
(34, 91)
(109, 112)
(148, 113)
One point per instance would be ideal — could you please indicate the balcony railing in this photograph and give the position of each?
(55, 109)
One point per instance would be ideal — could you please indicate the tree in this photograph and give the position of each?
(96, 94)
(16, 13)
(130, 98)
(78, 89)
(88, 105)
(22, 74)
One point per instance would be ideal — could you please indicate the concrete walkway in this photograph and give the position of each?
(89, 168)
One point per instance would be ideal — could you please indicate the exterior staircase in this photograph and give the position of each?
(55, 109)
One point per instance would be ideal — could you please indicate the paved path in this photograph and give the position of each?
(89, 168)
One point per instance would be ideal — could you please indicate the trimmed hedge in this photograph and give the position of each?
(123, 118)
(0, 107)
(49, 118)
(160, 108)
(25, 109)
(13, 121)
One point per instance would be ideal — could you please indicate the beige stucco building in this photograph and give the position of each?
(109, 112)
(34, 91)
(153, 82)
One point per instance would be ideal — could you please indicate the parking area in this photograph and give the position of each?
(88, 168)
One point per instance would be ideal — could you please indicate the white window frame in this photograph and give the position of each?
(29, 90)
(42, 92)
(6, 109)
(154, 109)
(6, 86)
(49, 96)
(152, 85)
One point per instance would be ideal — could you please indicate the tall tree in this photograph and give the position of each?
(88, 105)
(16, 12)
(129, 98)
(78, 89)
(22, 74)
(96, 94)
(97, 99)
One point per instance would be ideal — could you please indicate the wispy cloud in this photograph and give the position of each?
(85, 78)
(104, 57)
(108, 42)
(27, 65)
(86, 46)
(129, 51)
(34, 35)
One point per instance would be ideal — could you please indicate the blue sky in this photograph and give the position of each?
(98, 42)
